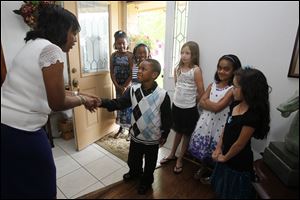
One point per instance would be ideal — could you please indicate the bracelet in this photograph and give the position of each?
(79, 99)
(82, 99)
(75, 93)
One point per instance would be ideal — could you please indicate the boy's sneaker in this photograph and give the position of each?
(128, 176)
(205, 180)
(143, 189)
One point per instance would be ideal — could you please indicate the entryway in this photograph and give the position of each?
(81, 172)
(146, 21)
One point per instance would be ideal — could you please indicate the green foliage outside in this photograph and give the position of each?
(152, 33)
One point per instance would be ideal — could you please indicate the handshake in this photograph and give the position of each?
(90, 102)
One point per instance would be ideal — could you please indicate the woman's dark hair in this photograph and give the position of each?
(255, 90)
(120, 34)
(236, 64)
(54, 23)
(136, 48)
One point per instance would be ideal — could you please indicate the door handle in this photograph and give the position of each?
(67, 87)
(74, 70)
(75, 83)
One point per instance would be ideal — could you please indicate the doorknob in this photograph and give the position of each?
(75, 83)
(74, 70)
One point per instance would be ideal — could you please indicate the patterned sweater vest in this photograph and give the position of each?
(145, 117)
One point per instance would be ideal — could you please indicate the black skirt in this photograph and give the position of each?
(27, 165)
(184, 119)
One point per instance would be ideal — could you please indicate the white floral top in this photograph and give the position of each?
(24, 103)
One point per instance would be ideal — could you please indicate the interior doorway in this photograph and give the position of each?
(146, 21)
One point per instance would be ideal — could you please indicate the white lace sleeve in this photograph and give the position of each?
(50, 55)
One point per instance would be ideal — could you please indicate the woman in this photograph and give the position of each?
(34, 86)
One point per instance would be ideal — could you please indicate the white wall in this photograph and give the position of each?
(261, 34)
(13, 32)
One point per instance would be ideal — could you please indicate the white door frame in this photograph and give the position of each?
(169, 83)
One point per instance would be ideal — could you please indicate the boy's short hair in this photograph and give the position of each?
(155, 65)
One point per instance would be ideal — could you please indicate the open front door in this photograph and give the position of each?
(89, 68)
(175, 37)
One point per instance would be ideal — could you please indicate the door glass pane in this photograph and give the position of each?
(181, 16)
(94, 36)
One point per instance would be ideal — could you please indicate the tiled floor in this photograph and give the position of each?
(92, 168)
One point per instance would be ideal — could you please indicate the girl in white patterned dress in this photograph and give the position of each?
(215, 104)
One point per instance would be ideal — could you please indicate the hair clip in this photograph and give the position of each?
(247, 67)
(230, 58)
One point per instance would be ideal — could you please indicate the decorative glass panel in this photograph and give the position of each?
(94, 35)
(180, 29)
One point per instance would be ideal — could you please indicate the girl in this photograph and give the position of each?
(140, 53)
(215, 104)
(249, 117)
(121, 62)
(188, 85)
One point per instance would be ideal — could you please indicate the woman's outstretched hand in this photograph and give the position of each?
(91, 102)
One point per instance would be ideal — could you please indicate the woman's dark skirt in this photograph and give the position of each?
(184, 119)
(231, 184)
(27, 166)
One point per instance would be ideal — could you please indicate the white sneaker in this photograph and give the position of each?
(205, 180)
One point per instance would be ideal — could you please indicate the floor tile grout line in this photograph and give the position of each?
(83, 166)
(60, 191)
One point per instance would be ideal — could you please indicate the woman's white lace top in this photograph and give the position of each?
(185, 90)
(24, 103)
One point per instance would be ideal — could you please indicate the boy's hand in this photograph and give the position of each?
(99, 102)
(90, 103)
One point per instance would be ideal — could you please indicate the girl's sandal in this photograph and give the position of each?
(165, 160)
(177, 170)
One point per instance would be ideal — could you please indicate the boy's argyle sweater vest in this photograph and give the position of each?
(145, 117)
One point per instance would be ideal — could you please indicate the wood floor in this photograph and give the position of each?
(166, 185)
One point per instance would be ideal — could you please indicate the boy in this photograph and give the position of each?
(150, 122)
